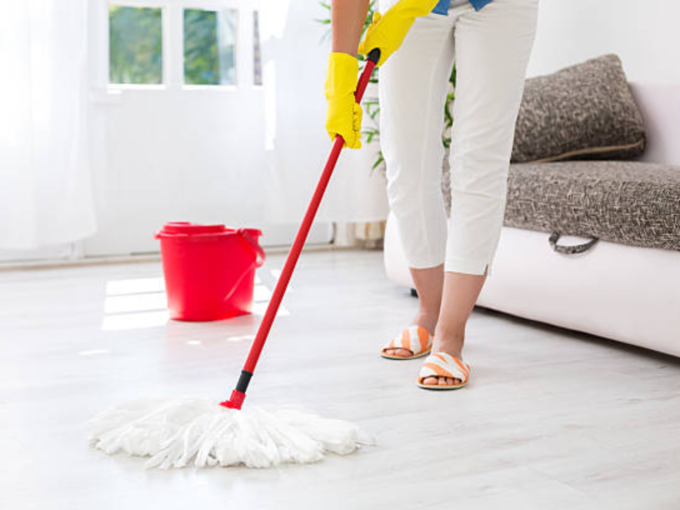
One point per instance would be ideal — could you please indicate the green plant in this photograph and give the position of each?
(448, 116)
(371, 104)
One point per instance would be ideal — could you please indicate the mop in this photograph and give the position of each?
(177, 432)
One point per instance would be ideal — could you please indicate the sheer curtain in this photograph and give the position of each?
(45, 191)
(295, 56)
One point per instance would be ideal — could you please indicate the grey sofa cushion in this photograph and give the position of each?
(625, 202)
(585, 111)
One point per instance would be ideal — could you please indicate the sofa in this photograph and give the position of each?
(622, 284)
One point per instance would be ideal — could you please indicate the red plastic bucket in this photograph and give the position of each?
(209, 270)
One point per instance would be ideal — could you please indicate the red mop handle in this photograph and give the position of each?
(239, 394)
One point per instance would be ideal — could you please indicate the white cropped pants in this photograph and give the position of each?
(491, 48)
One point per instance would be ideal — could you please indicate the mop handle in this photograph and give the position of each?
(238, 395)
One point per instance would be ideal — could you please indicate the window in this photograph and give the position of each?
(257, 50)
(210, 47)
(202, 48)
(135, 45)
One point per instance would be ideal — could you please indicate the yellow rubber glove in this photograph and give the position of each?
(343, 115)
(388, 32)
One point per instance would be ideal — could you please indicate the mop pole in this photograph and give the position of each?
(238, 395)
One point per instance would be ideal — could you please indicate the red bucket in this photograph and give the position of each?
(209, 270)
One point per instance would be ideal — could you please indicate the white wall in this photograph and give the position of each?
(644, 33)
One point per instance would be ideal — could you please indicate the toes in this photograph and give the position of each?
(442, 381)
(402, 353)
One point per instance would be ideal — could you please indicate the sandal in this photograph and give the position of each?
(414, 338)
(441, 364)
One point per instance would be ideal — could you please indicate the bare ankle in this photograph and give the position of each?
(427, 319)
(451, 341)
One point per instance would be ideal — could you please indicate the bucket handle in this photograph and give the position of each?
(245, 234)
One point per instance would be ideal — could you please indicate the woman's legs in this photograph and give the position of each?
(429, 286)
(460, 292)
(495, 44)
(493, 47)
(413, 88)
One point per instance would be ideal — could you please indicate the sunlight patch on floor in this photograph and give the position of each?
(135, 286)
(117, 322)
(136, 303)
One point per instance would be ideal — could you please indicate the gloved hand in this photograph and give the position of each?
(387, 32)
(343, 115)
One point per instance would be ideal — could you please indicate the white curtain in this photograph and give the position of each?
(45, 192)
(295, 59)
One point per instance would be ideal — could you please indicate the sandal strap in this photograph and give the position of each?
(414, 338)
(442, 364)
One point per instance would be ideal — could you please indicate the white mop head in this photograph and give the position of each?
(178, 432)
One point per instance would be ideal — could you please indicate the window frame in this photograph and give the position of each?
(172, 16)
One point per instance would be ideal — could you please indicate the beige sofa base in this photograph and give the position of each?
(614, 291)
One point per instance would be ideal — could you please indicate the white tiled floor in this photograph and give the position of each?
(552, 419)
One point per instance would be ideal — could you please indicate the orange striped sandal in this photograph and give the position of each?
(414, 338)
(441, 364)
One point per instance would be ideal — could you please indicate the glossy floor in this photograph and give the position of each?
(551, 419)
